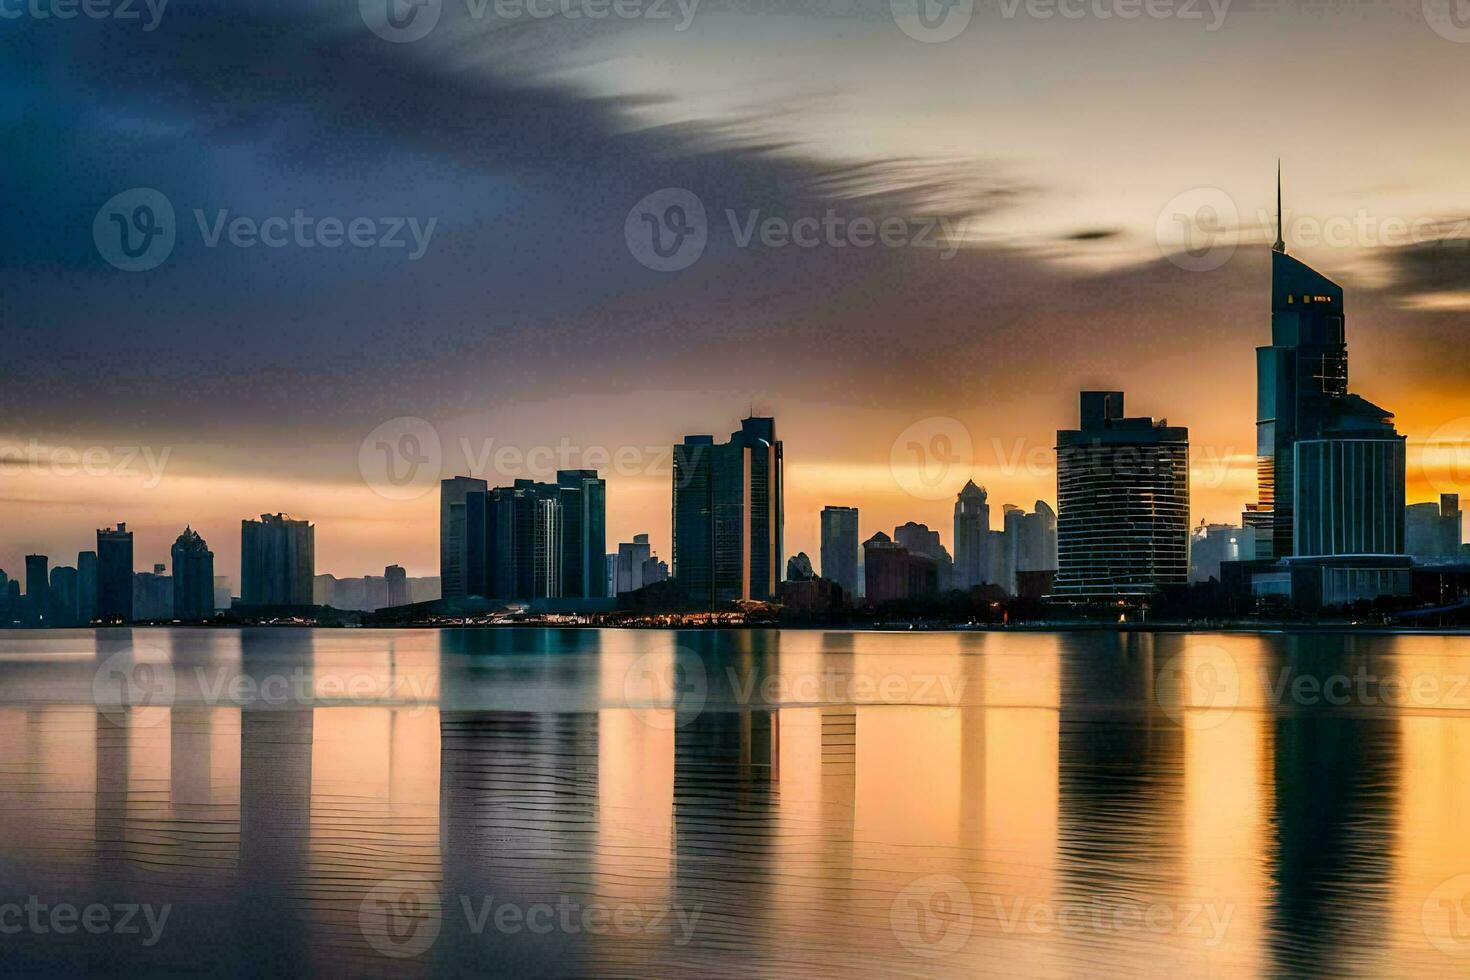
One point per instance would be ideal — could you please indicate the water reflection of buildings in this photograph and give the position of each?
(790, 822)
(1335, 778)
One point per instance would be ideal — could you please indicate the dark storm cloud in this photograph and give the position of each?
(261, 110)
(528, 288)
(1438, 264)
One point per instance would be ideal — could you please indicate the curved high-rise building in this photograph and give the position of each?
(1122, 504)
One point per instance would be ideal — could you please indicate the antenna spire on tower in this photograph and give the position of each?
(1280, 245)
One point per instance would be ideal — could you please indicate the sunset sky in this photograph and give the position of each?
(230, 381)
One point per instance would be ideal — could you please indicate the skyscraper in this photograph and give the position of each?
(1123, 504)
(728, 515)
(583, 497)
(115, 574)
(63, 599)
(971, 536)
(38, 591)
(397, 582)
(277, 561)
(86, 587)
(840, 547)
(1330, 465)
(193, 577)
(456, 551)
(919, 540)
(524, 528)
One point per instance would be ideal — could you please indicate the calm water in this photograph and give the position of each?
(581, 802)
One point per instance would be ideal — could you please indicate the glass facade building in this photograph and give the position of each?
(840, 547)
(1123, 504)
(728, 515)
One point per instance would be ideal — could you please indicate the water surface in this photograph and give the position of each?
(741, 803)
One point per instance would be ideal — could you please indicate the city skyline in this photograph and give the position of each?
(527, 320)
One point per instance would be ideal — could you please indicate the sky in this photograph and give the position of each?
(911, 235)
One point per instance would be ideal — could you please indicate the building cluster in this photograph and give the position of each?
(1329, 526)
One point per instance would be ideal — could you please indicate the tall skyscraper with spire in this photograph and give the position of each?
(1330, 465)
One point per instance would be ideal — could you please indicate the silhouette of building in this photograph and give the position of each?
(529, 540)
(4, 598)
(38, 590)
(153, 594)
(894, 573)
(462, 569)
(583, 496)
(728, 515)
(1001, 570)
(63, 597)
(277, 561)
(1433, 532)
(396, 579)
(799, 568)
(12, 601)
(115, 574)
(524, 529)
(840, 547)
(1330, 516)
(918, 539)
(1330, 472)
(193, 576)
(86, 587)
(1123, 504)
(222, 598)
(971, 537)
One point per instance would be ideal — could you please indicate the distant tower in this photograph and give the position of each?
(840, 547)
(115, 574)
(277, 561)
(193, 576)
(971, 537)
